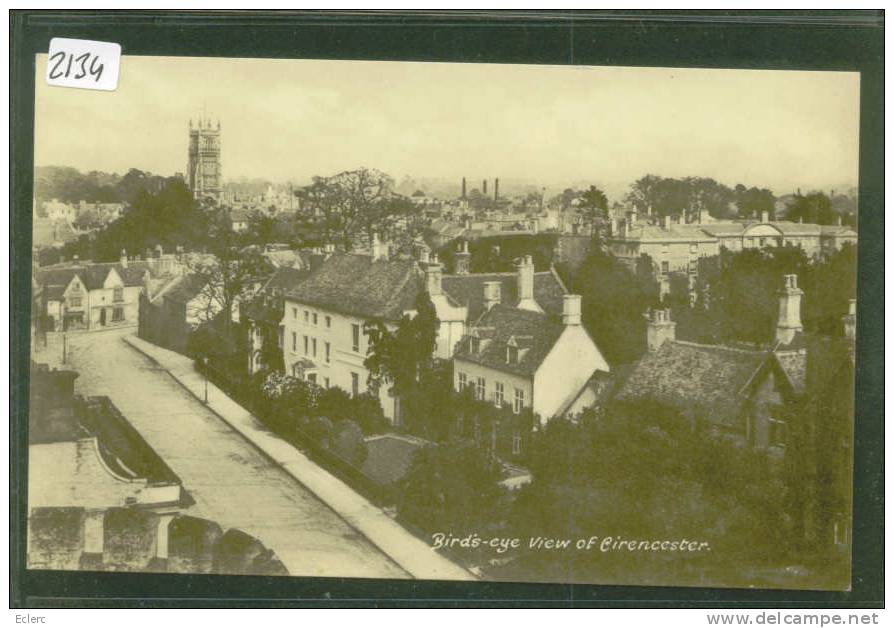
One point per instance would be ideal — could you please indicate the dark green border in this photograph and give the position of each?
(812, 40)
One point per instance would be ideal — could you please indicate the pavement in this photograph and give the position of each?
(231, 481)
(369, 527)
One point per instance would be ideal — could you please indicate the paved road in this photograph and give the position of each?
(230, 480)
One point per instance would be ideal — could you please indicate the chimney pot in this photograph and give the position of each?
(492, 294)
(789, 320)
(433, 277)
(571, 309)
(765, 216)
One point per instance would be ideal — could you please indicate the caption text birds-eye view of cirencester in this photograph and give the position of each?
(445, 321)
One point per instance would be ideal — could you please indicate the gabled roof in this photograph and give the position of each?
(468, 290)
(538, 331)
(709, 379)
(185, 288)
(93, 275)
(358, 286)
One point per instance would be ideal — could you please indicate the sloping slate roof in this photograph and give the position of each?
(358, 286)
(185, 289)
(704, 378)
(285, 278)
(794, 365)
(93, 275)
(468, 290)
(687, 232)
(265, 306)
(544, 330)
(390, 456)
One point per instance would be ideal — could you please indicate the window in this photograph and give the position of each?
(295, 313)
(118, 294)
(463, 382)
(763, 241)
(314, 318)
(355, 338)
(355, 384)
(326, 382)
(519, 401)
(306, 317)
(279, 337)
(776, 432)
(118, 314)
(665, 268)
(511, 355)
(480, 388)
(327, 347)
(294, 342)
(498, 394)
(296, 370)
(313, 346)
(516, 443)
(305, 345)
(328, 322)
(474, 344)
(74, 301)
(750, 242)
(312, 378)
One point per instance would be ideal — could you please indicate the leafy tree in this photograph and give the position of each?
(752, 201)
(348, 443)
(669, 196)
(593, 208)
(815, 208)
(452, 488)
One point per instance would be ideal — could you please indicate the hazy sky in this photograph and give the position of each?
(291, 119)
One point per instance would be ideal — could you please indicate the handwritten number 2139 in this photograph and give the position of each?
(78, 64)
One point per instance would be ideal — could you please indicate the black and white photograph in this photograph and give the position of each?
(486, 322)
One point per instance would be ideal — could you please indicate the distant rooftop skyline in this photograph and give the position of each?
(547, 125)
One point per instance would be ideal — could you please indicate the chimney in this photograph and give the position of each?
(666, 222)
(433, 277)
(660, 329)
(570, 309)
(789, 322)
(123, 259)
(492, 294)
(765, 216)
(484, 187)
(462, 258)
(632, 218)
(379, 250)
(496, 189)
(158, 250)
(464, 188)
(850, 320)
(526, 285)
(424, 253)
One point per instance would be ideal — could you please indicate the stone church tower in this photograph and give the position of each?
(203, 170)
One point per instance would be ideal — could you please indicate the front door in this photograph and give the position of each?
(102, 317)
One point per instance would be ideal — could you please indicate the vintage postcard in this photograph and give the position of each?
(444, 321)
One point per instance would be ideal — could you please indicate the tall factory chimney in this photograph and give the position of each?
(464, 188)
(497, 189)
(484, 187)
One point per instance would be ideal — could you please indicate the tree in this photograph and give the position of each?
(815, 207)
(351, 204)
(752, 201)
(452, 488)
(593, 208)
(229, 273)
(669, 196)
(400, 357)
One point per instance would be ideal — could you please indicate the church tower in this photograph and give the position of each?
(203, 170)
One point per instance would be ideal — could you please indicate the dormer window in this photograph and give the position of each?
(475, 344)
(511, 355)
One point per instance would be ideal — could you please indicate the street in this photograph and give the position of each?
(231, 481)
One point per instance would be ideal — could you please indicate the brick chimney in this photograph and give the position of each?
(433, 277)
(660, 329)
(484, 187)
(462, 258)
(789, 322)
(570, 309)
(666, 222)
(850, 320)
(765, 216)
(123, 258)
(492, 294)
(464, 188)
(497, 189)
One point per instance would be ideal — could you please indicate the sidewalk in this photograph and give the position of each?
(410, 553)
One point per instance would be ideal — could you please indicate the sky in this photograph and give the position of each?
(549, 125)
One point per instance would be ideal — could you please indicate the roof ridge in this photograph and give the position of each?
(728, 348)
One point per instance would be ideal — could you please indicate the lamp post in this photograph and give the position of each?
(205, 370)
